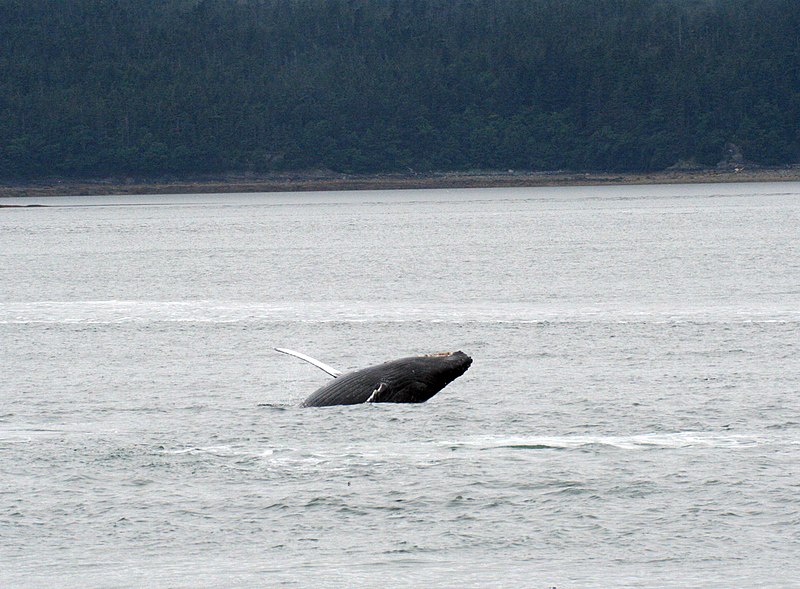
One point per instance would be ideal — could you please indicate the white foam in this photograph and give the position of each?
(223, 450)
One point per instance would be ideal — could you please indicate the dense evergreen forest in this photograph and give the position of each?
(182, 87)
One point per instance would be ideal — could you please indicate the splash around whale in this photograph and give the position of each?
(408, 380)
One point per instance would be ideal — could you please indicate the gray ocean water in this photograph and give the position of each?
(631, 418)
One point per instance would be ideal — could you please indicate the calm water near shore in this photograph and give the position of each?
(631, 418)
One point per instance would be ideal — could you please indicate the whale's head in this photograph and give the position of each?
(427, 375)
(449, 365)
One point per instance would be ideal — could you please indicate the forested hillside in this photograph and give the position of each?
(153, 87)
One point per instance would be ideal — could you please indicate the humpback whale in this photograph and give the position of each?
(408, 380)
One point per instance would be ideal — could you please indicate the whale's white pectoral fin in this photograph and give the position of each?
(321, 365)
(373, 398)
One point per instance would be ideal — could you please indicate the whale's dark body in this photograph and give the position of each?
(407, 380)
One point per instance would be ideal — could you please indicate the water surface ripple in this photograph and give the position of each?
(631, 419)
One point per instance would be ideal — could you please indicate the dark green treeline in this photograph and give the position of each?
(151, 87)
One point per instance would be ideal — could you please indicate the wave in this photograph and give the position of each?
(676, 440)
(352, 311)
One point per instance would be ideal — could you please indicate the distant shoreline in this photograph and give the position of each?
(323, 181)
